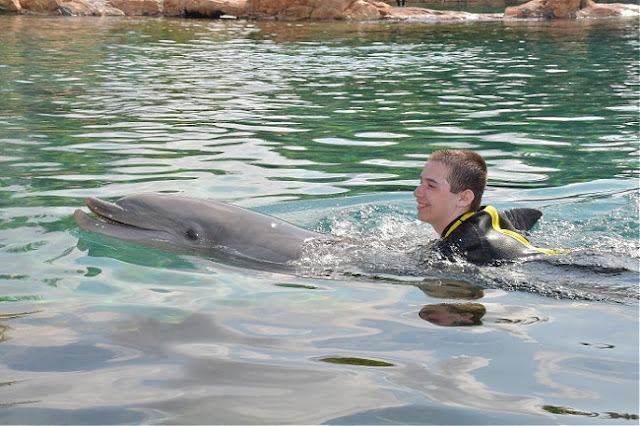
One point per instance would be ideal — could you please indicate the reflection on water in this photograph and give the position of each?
(236, 355)
(336, 119)
(454, 314)
(245, 365)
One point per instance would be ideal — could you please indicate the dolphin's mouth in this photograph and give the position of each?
(112, 220)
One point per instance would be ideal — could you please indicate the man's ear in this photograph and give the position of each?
(466, 198)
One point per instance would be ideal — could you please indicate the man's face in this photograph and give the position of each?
(436, 203)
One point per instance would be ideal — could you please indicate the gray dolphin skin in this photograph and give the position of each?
(176, 222)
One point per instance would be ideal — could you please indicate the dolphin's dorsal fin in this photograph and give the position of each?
(522, 218)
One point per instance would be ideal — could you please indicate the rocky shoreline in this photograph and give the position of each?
(300, 10)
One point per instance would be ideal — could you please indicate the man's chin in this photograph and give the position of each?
(423, 217)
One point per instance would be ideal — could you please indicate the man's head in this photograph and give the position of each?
(467, 171)
(451, 184)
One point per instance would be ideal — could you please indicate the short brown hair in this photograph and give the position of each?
(468, 171)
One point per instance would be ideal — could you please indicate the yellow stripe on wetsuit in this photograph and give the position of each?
(495, 224)
(458, 223)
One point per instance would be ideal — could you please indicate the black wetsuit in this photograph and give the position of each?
(487, 237)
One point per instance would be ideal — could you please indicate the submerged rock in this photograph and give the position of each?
(299, 10)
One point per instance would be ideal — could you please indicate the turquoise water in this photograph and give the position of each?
(326, 125)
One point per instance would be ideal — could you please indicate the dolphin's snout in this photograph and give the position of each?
(101, 207)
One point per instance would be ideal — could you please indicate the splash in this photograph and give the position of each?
(387, 243)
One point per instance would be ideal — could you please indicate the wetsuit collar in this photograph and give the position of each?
(453, 225)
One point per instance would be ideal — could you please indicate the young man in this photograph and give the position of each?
(449, 196)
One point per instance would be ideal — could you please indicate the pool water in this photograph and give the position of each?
(326, 125)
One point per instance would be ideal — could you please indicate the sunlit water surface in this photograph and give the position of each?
(326, 125)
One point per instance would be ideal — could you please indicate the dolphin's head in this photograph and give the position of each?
(177, 223)
(152, 219)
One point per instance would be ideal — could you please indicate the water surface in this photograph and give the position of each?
(326, 125)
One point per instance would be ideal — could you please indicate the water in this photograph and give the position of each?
(326, 125)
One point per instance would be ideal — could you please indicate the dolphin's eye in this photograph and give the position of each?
(191, 234)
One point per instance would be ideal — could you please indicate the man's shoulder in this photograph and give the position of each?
(489, 236)
(520, 219)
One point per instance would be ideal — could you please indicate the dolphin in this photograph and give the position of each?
(175, 222)
(211, 228)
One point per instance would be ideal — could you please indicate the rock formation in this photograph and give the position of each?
(204, 8)
(568, 9)
(594, 10)
(10, 6)
(138, 7)
(297, 10)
